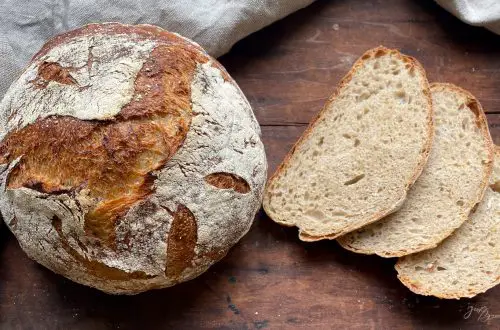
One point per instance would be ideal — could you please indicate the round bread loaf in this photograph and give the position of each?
(130, 160)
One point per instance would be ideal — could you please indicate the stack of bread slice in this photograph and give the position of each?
(395, 167)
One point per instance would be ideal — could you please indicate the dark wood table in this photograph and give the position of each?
(271, 279)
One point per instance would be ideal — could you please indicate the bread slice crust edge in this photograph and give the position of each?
(375, 52)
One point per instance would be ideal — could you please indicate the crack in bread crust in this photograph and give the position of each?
(181, 242)
(110, 160)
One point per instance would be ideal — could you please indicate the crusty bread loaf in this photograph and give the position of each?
(468, 262)
(356, 161)
(130, 160)
(451, 185)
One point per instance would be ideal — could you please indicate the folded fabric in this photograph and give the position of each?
(217, 25)
(484, 13)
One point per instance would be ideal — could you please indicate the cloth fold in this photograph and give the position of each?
(485, 13)
(216, 25)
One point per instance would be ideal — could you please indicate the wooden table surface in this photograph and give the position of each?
(271, 279)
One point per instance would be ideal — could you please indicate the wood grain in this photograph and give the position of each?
(271, 279)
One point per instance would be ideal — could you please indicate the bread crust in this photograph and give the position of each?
(144, 190)
(375, 52)
(482, 124)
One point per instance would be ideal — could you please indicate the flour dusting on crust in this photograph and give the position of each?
(224, 137)
(103, 68)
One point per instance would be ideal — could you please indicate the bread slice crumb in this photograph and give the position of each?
(358, 158)
(451, 185)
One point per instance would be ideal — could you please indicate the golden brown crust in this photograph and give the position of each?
(112, 159)
(376, 52)
(103, 166)
(50, 71)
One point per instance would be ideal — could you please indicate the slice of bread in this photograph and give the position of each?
(468, 262)
(452, 183)
(358, 158)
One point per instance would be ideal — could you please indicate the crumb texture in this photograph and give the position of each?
(451, 184)
(465, 264)
(356, 162)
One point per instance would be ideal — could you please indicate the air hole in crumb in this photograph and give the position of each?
(362, 97)
(491, 244)
(495, 186)
(315, 214)
(401, 95)
(465, 123)
(321, 140)
(347, 136)
(354, 180)
(356, 142)
(418, 268)
(460, 203)
(412, 72)
(439, 216)
(439, 268)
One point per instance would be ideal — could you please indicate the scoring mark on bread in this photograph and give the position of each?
(181, 242)
(111, 160)
(224, 180)
(52, 71)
